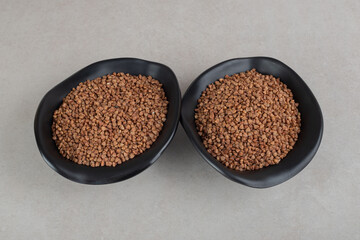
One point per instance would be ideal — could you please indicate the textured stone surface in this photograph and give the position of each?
(180, 196)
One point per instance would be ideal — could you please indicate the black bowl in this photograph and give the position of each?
(102, 175)
(311, 120)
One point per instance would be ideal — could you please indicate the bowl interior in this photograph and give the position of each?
(311, 120)
(101, 175)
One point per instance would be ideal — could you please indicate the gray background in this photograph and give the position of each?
(180, 196)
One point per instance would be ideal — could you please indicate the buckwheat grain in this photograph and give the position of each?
(248, 121)
(109, 120)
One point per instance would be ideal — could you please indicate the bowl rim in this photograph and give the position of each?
(171, 130)
(233, 174)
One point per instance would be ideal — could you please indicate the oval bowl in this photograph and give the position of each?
(311, 120)
(103, 175)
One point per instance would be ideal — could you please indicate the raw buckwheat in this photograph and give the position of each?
(109, 120)
(248, 121)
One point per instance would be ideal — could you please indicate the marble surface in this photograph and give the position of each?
(180, 196)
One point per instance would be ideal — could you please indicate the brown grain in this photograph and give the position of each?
(248, 121)
(109, 120)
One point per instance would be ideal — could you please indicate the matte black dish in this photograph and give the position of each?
(102, 175)
(311, 120)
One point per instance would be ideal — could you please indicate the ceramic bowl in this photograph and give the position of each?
(311, 120)
(102, 175)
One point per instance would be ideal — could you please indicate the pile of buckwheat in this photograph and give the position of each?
(248, 121)
(109, 120)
